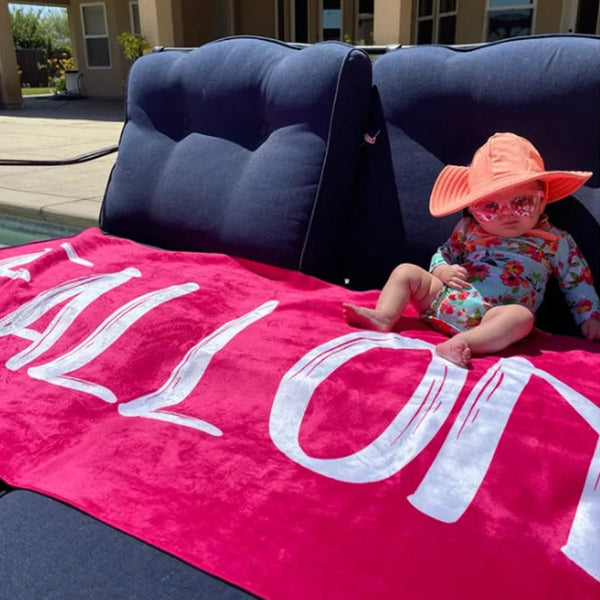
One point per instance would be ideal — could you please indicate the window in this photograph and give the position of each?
(587, 16)
(300, 28)
(436, 21)
(332, 20)
(279, 19)
(509, 18)
(95, 35)
(134, 18)
(364, 25)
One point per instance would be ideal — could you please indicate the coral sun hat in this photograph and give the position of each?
(504, 161)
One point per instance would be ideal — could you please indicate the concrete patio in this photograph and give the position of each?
(48, 128)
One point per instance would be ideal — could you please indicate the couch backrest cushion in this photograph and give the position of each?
(438, 105)
(244, 146)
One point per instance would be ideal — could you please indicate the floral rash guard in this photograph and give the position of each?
(510, 271)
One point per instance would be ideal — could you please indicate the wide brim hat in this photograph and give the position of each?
(506, 160)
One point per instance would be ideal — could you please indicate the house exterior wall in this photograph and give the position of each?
(548, 16)
(158, 23)
(191, 23)
(470, 21)
(255, 17)
(101, 82)
(10, 85)
(393, 22)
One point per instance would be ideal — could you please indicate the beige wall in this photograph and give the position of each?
(10, 85)
(206, 21)
(255, 17)
(314, 21)
(393, 22)
(101, 82)
(470, 21)
(156, 17)
(349, 9)
(548, 16)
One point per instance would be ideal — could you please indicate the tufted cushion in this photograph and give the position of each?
(438, 105)
(244, 146)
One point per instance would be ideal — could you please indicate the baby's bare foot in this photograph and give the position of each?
(455, 351)
(366, 318)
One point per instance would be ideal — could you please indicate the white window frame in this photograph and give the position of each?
(435, 19)
(86, 37)
(133, 3)
(532, 6)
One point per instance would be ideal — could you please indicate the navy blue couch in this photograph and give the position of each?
(255, 148)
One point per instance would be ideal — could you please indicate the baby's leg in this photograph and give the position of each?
(500, 327)
(407, 283)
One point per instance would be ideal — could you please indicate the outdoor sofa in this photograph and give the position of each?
(185, 413)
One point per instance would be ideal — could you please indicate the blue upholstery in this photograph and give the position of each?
(244, 146)
(438, 105)
(51, 551)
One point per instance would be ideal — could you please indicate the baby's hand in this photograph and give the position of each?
(591, 330)
(454, 276)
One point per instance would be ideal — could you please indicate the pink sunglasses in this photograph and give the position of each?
(520, 206)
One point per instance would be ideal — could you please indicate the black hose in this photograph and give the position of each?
(28, 162)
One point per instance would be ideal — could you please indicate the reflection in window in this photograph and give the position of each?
(332, 19)
(300, 21)
(95, 34)
(364, 31)
(510, 22)
(280, 20)
(436, 21)
(587, 16)
(447, 30)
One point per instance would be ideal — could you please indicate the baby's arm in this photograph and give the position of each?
(445, 262)
(454, 276)
(575, 279)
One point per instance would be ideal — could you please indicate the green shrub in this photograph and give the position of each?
(134, 45)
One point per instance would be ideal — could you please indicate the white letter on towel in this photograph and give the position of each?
(412, 429)
(7, 264)
(110, 330)
(461, 464)
(187, 374)
(82, 292)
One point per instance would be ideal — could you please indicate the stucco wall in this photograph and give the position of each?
(102, 82)
(470, 21)
(10, 86)
(255, 17)
(548, 16)
(393, 22)
(205, 21)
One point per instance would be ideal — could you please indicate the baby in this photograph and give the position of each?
(486, 282)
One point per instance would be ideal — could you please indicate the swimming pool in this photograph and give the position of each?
(15, 231)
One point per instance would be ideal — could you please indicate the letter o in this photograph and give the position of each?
(411, 430)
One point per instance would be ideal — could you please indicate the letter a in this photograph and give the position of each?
(7, 264)
(81, 292)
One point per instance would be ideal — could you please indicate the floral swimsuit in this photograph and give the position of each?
(510, 271)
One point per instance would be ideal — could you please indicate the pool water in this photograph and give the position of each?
(15, 231)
